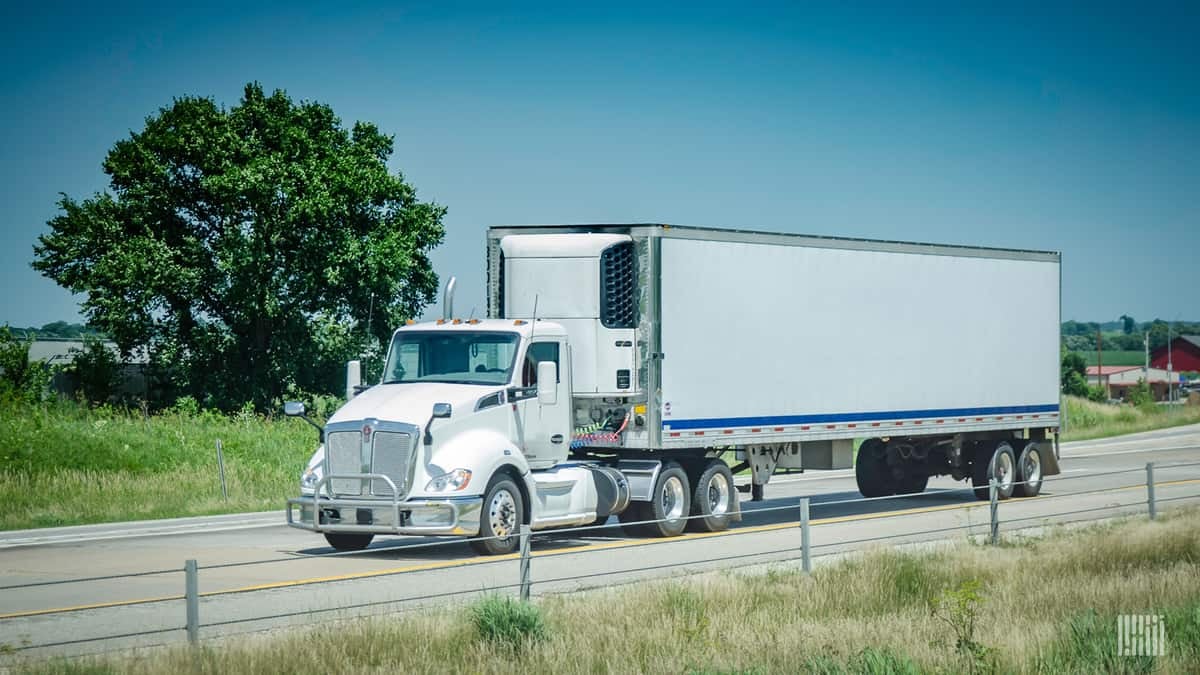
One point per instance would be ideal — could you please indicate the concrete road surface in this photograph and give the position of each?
(256, 573)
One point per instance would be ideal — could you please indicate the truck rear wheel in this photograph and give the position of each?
(871, 470)
(999, 464)
(500, 520)
(669, 505)
(713, 499)
(1029, 471)
(348, 541)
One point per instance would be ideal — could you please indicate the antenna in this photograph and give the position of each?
(533, 326)
(472, 316)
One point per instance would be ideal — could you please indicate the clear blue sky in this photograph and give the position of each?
(1074, 128)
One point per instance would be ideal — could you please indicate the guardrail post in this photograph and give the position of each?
(1150, 489)
(526, 582)
(192, 595)
(221, 470)
(805, 540)
(994, 503)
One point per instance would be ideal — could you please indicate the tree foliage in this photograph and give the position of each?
(243, 247)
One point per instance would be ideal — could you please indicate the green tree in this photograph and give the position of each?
(1073, 375)
(96, 370)
(242, 248)
(20, 378)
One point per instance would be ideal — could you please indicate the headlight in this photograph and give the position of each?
(449, 482)
(308, 480)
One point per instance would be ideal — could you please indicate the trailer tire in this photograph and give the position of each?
(348, 541)
(713, 486)
(1029, 471)
(500, 518)
(915, 480)
(999, 463)
(871, 470)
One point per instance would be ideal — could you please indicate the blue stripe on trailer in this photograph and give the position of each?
(832, 418)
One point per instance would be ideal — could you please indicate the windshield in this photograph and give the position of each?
(453, 356)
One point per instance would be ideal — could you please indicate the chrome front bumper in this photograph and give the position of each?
(421, 516)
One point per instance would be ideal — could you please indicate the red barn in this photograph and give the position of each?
(1185, 354)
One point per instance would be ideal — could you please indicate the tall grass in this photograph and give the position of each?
(1047, 605)
(64, 464)
(1086, 419)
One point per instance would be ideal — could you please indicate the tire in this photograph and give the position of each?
(1029, 471)
(714, 499)
(913, 481)
(871, 470)
(670, 504)
(501, 516)
(348, 541)
(998, 463)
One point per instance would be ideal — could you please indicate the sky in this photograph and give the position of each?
(1073, 127)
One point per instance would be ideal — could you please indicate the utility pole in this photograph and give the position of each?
(1170, 369)
(1100, 363)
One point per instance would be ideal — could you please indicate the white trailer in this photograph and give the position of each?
(671, 348)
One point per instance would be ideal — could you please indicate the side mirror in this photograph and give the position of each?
(441, 410)
(353, 379)
(296, 409)
(547, 390)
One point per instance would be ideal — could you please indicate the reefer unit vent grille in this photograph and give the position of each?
(618, 306)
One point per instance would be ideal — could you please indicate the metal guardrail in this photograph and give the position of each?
(524, 584)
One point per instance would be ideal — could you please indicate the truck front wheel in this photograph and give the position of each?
(500, 520)
(348, 541)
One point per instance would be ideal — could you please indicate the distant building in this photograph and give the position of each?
(1119, 379)
(1185, 354)
(61, 352)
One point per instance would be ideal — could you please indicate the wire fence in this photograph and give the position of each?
(1146, 500)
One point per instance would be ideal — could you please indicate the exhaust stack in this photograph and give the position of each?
(448, 299)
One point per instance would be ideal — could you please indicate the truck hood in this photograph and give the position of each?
(412, 402)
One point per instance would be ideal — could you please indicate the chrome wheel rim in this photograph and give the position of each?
(718, 495)
(1032, 469)
(502, 514)
(672, 498)
(1003, 471)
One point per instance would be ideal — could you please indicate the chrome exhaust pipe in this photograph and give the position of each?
(448, 299)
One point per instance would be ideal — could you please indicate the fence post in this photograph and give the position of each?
(994, 503)
(192, 595)
(1150, 489)
(805, 540)
(221, 470)
(526, 582)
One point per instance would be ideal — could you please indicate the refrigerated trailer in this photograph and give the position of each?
(621, 366)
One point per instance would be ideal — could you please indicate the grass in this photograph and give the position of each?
(1086, 419)
(1135, 357)
(1045, 605)
(66, 464)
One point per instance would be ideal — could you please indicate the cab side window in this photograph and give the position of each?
(538, 352)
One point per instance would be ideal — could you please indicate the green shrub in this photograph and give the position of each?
(507, 623)
(97, 370)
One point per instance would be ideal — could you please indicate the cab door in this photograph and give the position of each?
(544, 429)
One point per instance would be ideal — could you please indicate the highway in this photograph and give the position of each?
(255, 566)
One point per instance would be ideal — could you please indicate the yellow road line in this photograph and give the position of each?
(448, 564)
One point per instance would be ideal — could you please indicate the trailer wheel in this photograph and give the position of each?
(348, 541)
(500, 520)
(999, 464)
(871, 469)
(915, 480)
(1029, 471)
(669, 505)
(713, 498)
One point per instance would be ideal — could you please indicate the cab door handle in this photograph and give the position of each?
(556, 438)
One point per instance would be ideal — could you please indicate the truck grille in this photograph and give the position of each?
(390, 453)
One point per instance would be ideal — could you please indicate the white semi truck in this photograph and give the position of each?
(619, 365)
